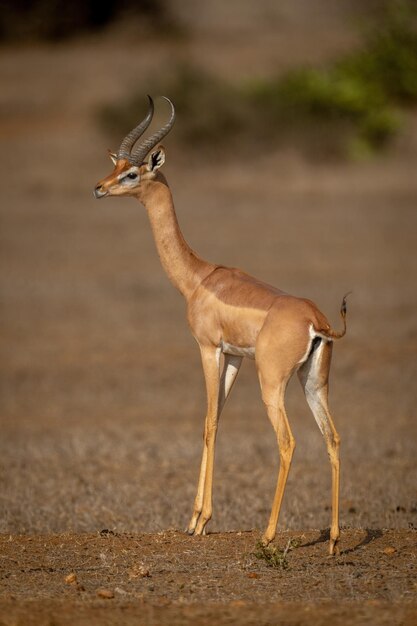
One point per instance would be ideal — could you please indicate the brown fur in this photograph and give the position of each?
(231, 311)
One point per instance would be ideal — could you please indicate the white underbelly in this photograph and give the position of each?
(248, 351)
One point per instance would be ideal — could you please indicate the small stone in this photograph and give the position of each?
(139, 571)
(389, 550)
(121, 591)
(71, 579)
(105, 593)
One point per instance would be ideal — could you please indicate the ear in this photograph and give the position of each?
(156, 159)
(113, 156)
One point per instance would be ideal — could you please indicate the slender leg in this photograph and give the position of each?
(314, 377)
(286, 445)
(217, 394)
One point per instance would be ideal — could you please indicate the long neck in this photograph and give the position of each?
(184, 267)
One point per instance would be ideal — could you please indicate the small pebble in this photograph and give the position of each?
(71, 579)
(121, 591)
(139, 571)
(105, 593)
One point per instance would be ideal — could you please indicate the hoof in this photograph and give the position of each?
(334, 549)
(201, 528)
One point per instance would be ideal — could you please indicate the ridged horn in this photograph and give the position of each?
(138, 155)
(130, 139)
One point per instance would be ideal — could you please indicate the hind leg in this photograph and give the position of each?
(314, 378)
(279, 350)
(286, 445)
(273, 396)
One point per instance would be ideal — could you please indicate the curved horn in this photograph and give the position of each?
(139, 154)
(133, 136)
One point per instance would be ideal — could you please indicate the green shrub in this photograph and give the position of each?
(355, 104)
(365, 90)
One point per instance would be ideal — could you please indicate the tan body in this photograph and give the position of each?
(231, 308)
(234, 314)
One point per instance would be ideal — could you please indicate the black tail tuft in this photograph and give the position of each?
(343, 307)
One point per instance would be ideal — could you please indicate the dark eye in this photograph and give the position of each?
(131, 175)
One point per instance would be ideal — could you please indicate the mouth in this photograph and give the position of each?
(98, 193)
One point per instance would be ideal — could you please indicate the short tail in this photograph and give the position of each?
(334, 334)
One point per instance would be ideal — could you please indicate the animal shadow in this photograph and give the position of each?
(371, 534)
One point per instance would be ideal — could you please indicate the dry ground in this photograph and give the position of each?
(165, 578)
(103, 398)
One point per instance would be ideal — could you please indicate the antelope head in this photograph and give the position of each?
(136, 165)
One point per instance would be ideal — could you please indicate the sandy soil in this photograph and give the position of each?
(165, 578)
(102, 393)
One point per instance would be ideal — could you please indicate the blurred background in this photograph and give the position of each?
(293, 157)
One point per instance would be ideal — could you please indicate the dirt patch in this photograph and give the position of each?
(169, 577)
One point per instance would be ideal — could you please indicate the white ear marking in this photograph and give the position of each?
(156, 159)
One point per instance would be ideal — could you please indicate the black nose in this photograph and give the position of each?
(99, 192)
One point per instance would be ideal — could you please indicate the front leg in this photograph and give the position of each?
(216, 397)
